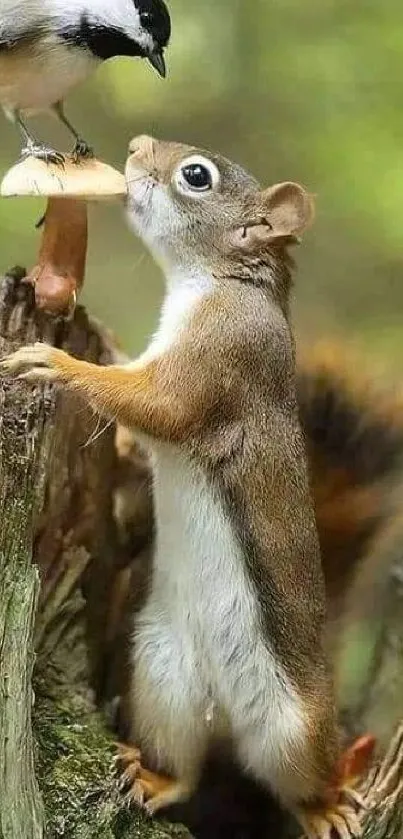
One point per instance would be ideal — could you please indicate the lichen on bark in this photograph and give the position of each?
(77, 777)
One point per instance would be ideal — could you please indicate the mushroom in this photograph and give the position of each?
(59, 273)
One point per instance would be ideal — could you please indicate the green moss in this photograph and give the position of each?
(76, 776)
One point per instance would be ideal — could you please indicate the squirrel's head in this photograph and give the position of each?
(197, 209)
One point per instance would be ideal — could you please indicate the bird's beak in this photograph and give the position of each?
(157, 60)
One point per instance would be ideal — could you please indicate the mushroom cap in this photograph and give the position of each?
(87, 179)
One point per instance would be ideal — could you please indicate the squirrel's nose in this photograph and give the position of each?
(141, 154)
(142, 146)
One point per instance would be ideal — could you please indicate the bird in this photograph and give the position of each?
(47, 47)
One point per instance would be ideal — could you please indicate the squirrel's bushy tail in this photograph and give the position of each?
(354, 435)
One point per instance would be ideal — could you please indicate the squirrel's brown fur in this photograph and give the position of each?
(354, 434)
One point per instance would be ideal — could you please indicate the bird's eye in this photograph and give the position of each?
(196, 175)
(146, 18)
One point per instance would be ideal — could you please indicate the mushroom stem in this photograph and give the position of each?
(59, 274)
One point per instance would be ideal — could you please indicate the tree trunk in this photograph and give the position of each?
(380, 710)
(59, 551)
(66, 573)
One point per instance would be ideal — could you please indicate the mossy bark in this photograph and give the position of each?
(24, 428)
(77, 778)
(59, 552)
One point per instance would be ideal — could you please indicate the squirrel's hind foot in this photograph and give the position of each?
(147, 789)
(319, 824)
(343, 815)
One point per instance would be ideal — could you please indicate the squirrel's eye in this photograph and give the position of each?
(197, 176)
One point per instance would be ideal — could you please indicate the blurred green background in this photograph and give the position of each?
(310, 91)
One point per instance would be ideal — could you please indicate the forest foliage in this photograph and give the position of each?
(311, 91)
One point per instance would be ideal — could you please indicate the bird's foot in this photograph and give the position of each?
(42, 152)
(82, 151)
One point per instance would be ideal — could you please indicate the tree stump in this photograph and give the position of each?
(59, 554)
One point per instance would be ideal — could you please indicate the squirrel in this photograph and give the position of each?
(230, 641)
(353, 425)
(352, 417)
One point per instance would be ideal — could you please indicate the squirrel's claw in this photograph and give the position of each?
(35, 362)
(39, 374)
(355, 797)
(341, 818)
(146, 789)
(33, 356)
(344, 815)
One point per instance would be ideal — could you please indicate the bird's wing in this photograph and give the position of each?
(21, 20)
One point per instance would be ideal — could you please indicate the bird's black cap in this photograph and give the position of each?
(106, 40)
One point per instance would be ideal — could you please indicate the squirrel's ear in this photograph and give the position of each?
(283, 211)
(288, 209)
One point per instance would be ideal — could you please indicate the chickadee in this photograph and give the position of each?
(49, 46)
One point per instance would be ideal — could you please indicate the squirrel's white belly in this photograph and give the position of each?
(37, 83)
(199, 639)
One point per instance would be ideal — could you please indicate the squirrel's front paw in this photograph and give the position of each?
(33, 363)
(148, 790)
